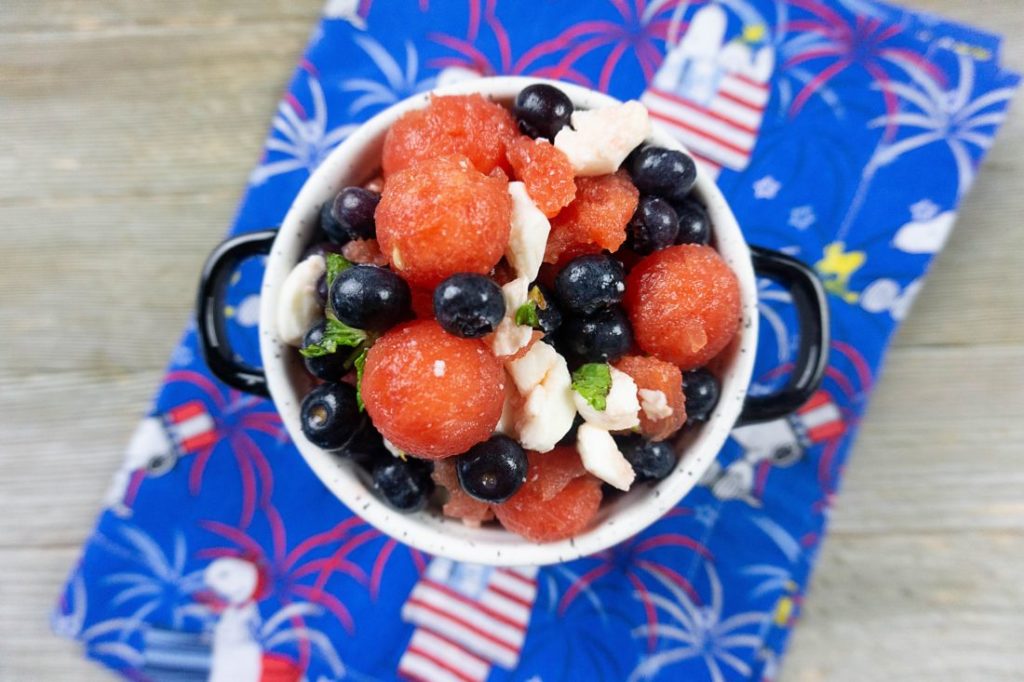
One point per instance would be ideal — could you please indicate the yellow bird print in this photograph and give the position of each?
(836, 268)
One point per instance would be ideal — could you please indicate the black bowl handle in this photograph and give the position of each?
(213, 338)
(813, 319)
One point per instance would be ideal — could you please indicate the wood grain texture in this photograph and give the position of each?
(128, 127)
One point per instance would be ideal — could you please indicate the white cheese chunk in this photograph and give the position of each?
(622, 409)
(509, 337)
(602, 458)
(529, 235)
(392, 448)
(507, 421)
(601, 139)
(654, 404)
(549, 409)
(532, 368)
(297, 307)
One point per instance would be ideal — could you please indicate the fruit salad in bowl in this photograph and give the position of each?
(511, 321)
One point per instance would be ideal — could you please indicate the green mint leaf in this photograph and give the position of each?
(360, 363)
(336, 264)
(337, 335)
(527, 314)
(593, 381)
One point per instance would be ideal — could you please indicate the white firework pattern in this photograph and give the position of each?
(276, 631)
(299, 140)
(161, 580)
(106, 638)
(398, 84)
(699, 632)
(937, 115)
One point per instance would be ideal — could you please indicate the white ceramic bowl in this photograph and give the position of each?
(357, 160)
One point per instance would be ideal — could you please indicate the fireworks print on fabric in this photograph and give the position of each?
(219, 555)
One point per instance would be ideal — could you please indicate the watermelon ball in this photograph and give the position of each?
(370, 297)
(404, 485)
(330, 415)
(602, 337)
(651, 460)
(654, 226)
(468, 305)
(494, 470)
(442, 217)
(541, 110)
(684, 303)
(329, 367)
(595, 220)
(467, 125)
(667, 173)
(589, 283)
(546, 172)
(702, 392)
(557, 501)
(430, 393)
(652, 374)
(694, 223)
(351, 215)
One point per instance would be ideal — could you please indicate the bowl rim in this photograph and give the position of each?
(428, 530)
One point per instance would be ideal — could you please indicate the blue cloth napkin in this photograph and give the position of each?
(845, 132)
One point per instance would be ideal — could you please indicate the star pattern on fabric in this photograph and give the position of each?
(802, 217)
(767, 188)
(924, 210)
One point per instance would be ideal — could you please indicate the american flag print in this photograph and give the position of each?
(467, 617)
(711, 95)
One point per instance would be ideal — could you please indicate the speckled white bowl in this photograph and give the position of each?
(357, 160)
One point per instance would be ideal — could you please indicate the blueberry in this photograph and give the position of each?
(652, 461)
(570, 437)
(542, 110)
(492, 471)
(370, 297)
(468, 305)
(701, 390)
(602, 337)
(694, 223)
(330, 226)
(366, 446)
(330, 367)
(404, 485)
(653, 227)
(353, 211)
(330, 415)
(548, 313)
(667, 173)
(321, 290)
(589, 283)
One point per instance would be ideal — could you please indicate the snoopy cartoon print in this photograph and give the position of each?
(781, 442)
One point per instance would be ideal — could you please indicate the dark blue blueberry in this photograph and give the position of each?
(353, 210)
(667, 173)
(330, 226)
(330, 415)
(468, 305)
(602, 337)
(404, 485)
(321, 290)
(548, 314)
(330, 367)
(494, 470)
(590, 283)
(370, 297)
(701, 390)
(570, 437)
(652, 461)
(653, 227)
(366, 446)
(542, 110)
(694, 223)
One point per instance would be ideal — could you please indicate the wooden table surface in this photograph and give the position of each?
(127, 128)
